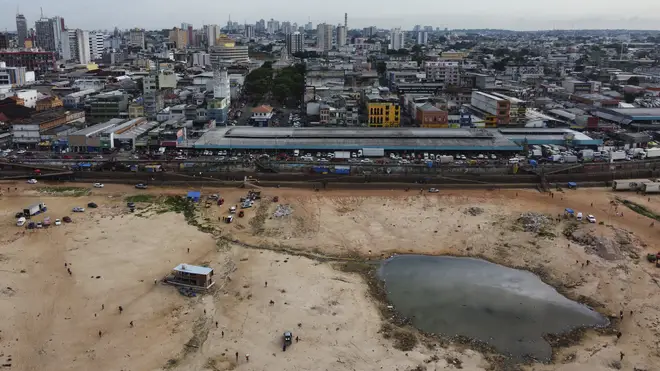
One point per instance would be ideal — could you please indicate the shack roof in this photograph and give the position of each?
(193, 269)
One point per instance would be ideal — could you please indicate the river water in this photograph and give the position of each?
(507, 308)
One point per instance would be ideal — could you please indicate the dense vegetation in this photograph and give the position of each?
(285, 86)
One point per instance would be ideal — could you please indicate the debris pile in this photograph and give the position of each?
(282, 210)
(474, 211)
(534, 222)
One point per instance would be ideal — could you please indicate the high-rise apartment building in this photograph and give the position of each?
(341, 35)
(80, 46)
(294, 43)
(260, 27)
(309, 26)
(324, 37)
(422, 37)
(179, 37)
(45, 34)
(97, 44)
(52, 36)
(272, 26)
(189, 32)
(212, 34)
(21, 29)
(286, 28)
(249, 31)
(397, 40)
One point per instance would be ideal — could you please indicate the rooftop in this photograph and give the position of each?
(193, 269)
(356, 138)
(262, 109)
(98, 128)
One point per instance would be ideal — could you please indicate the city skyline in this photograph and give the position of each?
(504, 14)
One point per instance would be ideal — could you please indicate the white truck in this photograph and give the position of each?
(373, 152)
(445, 159)
(652, 153)
(343, 154)
(587, 155)
(570, 159)
(34, 209)
(652, 187)
(629, 184)
(617, 155)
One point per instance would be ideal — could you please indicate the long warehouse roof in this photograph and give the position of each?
(356, 138)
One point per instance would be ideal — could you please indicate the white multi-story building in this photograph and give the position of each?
(294, 43)
(272, 26)
(397, 39)
(447, 72)
(324, 37)
(212, 33)
(341, 36)
(96, 45)
(422, 38)
(249, 31)
(229, 52)
(80, 46)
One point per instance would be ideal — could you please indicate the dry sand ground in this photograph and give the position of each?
(51, 321)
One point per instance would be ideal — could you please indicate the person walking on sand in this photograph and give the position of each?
(120, 309)
(100, 334)
(216, 324)
(69, 270)
(131, 323)
(622, 356)
(247, 357)
(266, 284)
(236, 357)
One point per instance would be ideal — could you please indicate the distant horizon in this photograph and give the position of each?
(509, 15)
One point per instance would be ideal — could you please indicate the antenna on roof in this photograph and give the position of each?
(42, 11)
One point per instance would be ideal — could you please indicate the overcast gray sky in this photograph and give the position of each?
(508, 14)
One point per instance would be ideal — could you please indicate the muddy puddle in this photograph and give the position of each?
(508, 309)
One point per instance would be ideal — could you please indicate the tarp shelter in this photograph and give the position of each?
(569, 211)
(572, 185)
(194, 196)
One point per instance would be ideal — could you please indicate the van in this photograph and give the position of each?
(579, 217)
(21, 221)
(296, 152)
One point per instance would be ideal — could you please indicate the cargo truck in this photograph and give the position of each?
(652, 153)
(653, 187)
(629, 184)
(587, 154)
(34, 209)
(372, 152)
(617, 155)
(342, 154)
(570, 159)
(444, 159)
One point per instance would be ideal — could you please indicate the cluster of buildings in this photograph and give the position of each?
(186, 82)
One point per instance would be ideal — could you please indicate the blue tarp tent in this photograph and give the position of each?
(572, 185)
(569, 211)
(194, 196)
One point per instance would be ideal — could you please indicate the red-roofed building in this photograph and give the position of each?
(262, 115)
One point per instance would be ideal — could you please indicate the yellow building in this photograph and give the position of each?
(383, 113)
(179, 37)
(135, 110)
(48, 103)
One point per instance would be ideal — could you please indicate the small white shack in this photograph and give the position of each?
(192, 276)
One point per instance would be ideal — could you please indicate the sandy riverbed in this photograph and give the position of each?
(51, 320)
